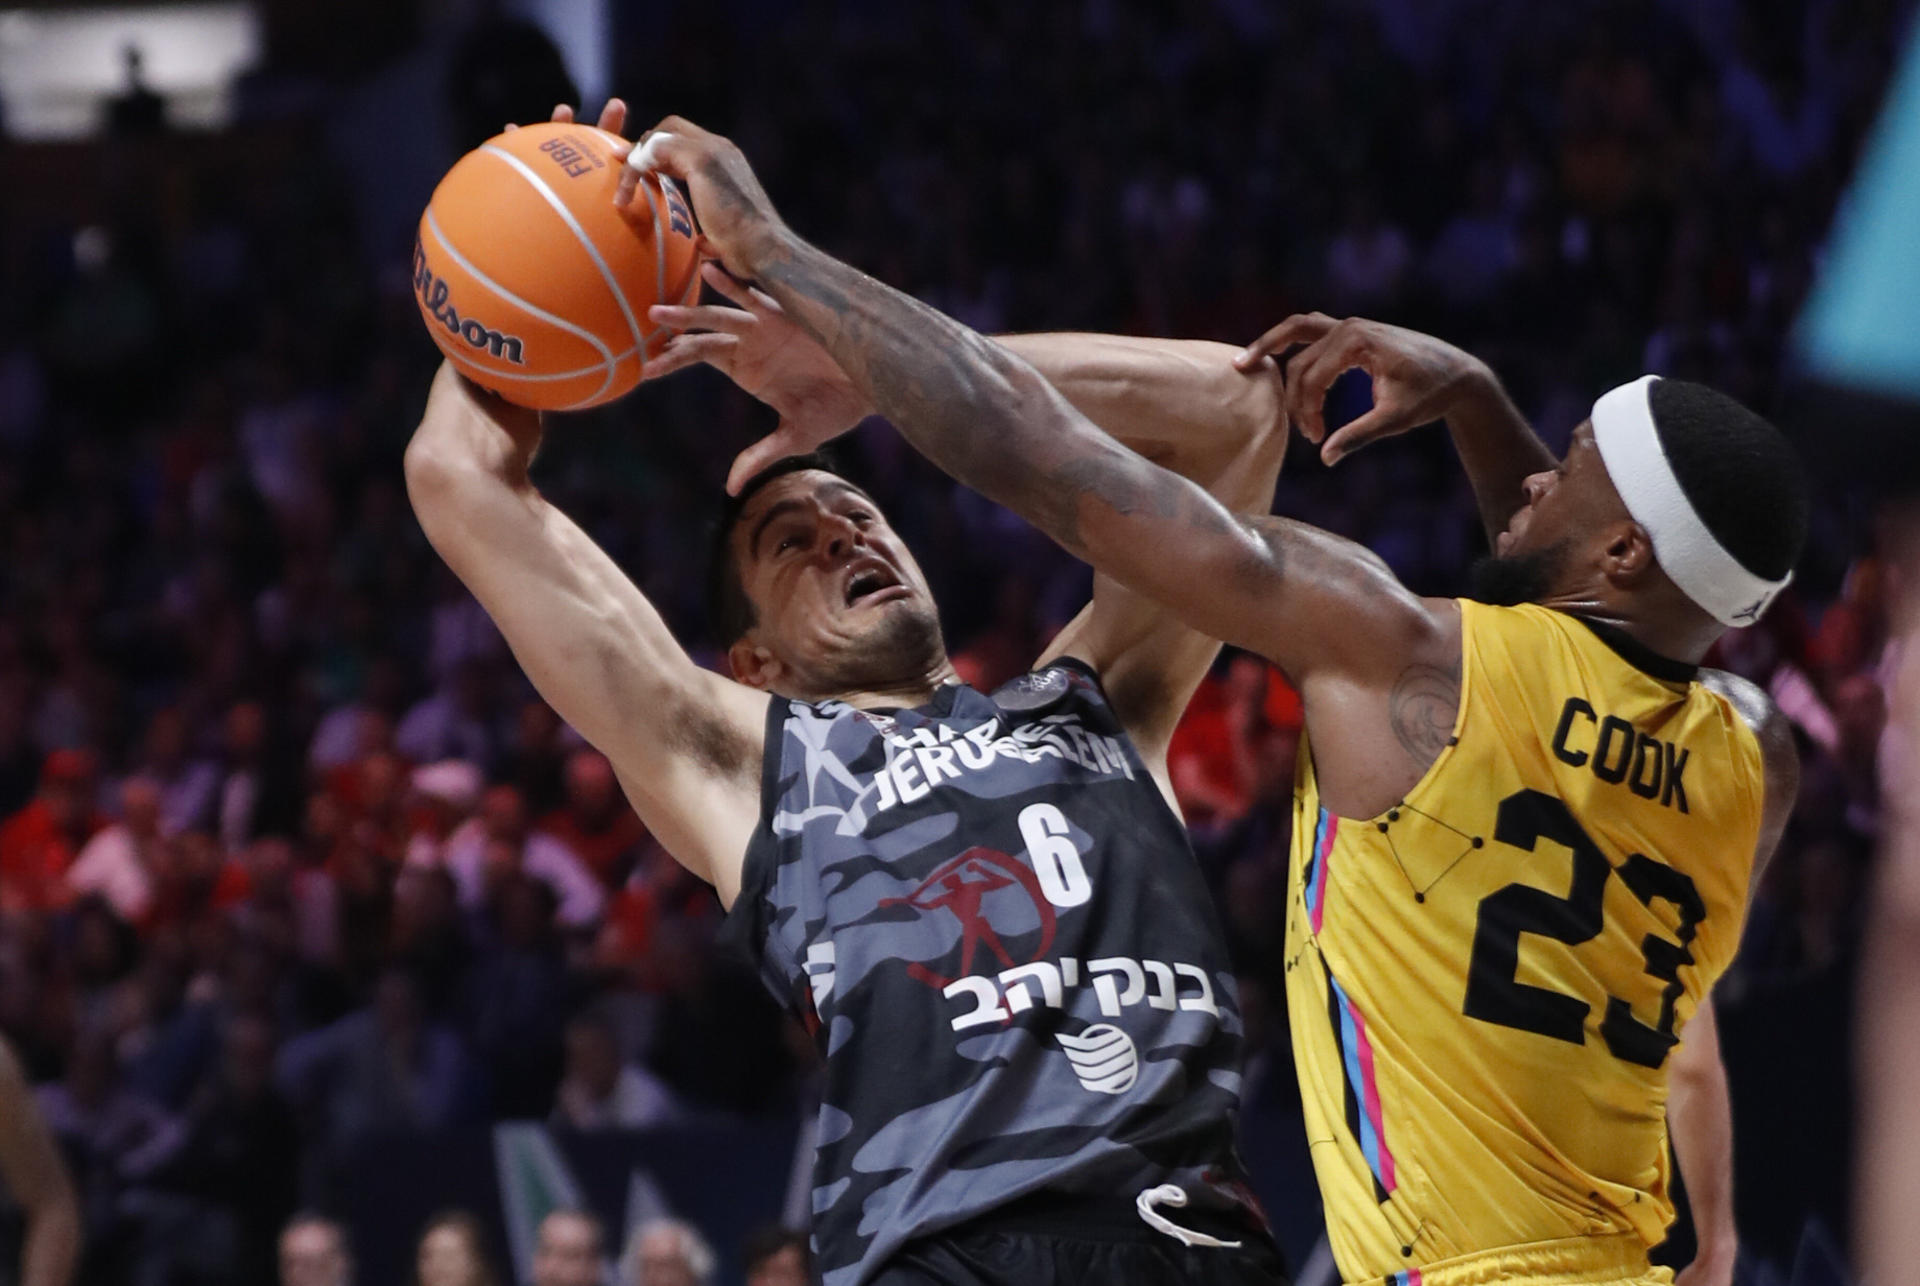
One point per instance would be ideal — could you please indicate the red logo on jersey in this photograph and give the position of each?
(970, 886)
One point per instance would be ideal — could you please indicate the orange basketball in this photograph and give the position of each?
(533, 284)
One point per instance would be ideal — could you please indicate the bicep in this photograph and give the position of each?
(1316, 604)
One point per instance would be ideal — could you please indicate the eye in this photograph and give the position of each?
(787, 542)
(860, 518)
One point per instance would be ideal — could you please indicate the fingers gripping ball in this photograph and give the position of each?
(530, 280)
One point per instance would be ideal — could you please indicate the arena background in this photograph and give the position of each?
(210, 361)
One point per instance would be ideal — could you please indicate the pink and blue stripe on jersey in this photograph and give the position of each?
(1316, 882)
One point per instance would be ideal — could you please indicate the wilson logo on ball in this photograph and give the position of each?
(435, 301)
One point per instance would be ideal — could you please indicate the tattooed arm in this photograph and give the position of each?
(1326, 610)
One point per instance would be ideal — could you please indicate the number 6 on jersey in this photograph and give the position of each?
(1055, 857)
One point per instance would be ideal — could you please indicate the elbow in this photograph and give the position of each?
(426, 464)
(438, 477)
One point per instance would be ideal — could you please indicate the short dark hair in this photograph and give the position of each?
(728, 608)
(1738, 471)
(768, 1240)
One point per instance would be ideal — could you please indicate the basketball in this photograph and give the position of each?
(530, 280)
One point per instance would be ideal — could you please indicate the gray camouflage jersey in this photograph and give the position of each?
(994, 927)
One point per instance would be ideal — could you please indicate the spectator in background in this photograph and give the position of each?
(165, 1042)
(39, 843)
(777, 1256)
(536, 756)
(364, 725)
(601, 1091)
(596, 823)
(197, 882)
(314, 1252)
(382, 1069)
(568, 1250)
(666, 1252)
(445, 796)
(115, 1139)
(453, 1252)
(240, 1159)
(1367, 259)
(1221, 753)
(186, 783)
(430, 937)
(121, 861)
(257, 793)
(498, 842)
(451, 722)
(519, 989)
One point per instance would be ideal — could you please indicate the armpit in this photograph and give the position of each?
(710, 740)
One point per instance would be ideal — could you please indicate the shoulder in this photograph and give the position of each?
(1779, 754)
(1757, 711)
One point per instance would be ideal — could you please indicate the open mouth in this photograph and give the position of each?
(871, 583)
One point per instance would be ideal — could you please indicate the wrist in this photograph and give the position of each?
(770, 242)
(1721, 1247)
(1477, 387)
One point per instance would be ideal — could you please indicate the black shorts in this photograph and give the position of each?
(1074, 1242)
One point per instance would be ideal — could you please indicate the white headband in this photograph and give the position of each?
(1688, 553)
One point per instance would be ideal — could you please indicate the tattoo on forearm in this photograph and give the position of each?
(1422, 707)
(971, 407)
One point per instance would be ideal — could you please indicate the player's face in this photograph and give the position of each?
(840, 605)
(1569, 510)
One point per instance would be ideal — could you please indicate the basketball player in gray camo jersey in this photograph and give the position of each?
(983, 905)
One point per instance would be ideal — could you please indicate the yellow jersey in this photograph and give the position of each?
(1485, 982)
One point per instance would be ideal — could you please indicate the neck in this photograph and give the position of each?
(915, 693)
(904, 693)
(1685, 635)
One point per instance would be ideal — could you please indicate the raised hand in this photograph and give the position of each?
(1416, 378)
(613, 119)
(738, 223)
(758, 347)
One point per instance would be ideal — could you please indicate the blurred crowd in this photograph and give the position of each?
(570, 1249)
(292, 856)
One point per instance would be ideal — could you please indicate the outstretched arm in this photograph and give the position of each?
(991, 420)
(1184, 404)
(1417, 379)
(686, 743)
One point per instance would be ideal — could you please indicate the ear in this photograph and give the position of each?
(1627, 557)
(753, 665)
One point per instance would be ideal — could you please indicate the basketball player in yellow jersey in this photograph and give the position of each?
(1527, 827)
